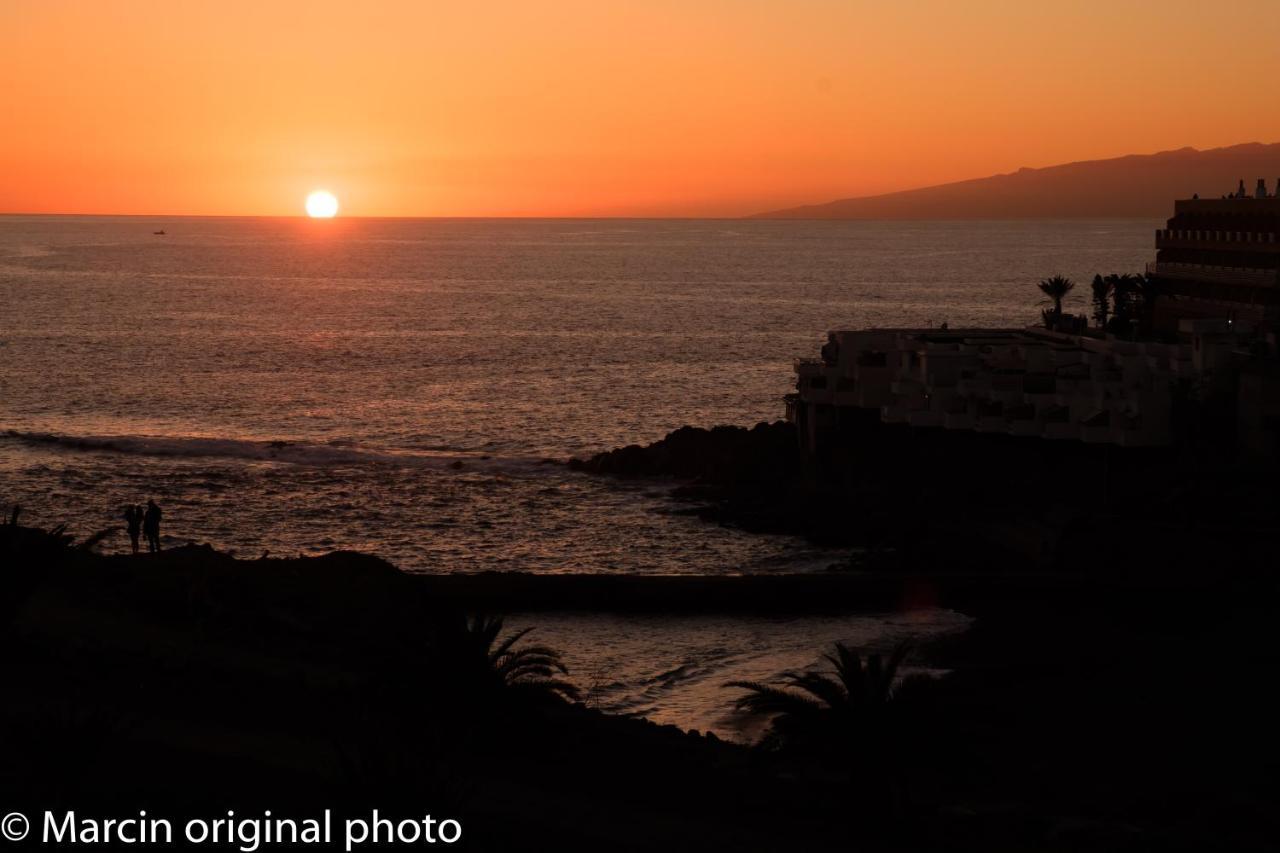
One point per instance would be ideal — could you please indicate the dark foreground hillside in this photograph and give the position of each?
(192, 681)
(1078, 715)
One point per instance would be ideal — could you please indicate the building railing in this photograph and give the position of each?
(1267, 246)
(1205, 272)
(1206, 236)
(807, 367)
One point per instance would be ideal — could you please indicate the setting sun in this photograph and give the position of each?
(322, 205)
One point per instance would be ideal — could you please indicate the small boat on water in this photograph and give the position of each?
(159, 233)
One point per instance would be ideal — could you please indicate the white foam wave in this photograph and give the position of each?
(288, 452)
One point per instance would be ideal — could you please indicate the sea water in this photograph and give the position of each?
(411, 388)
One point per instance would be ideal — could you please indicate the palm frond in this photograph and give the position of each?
(766, 700)
(824, 688)
(539, 666)
(547, 686)
(508, 664)
(830, 712)
(484, 630)
(848, 666)
(505, 645)
(875, 677)
(896, 657)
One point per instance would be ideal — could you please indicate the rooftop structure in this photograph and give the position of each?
(1218, 258)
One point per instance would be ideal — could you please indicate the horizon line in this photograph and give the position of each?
(526, 218)
(758, 214)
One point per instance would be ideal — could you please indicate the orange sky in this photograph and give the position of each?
(549, 108)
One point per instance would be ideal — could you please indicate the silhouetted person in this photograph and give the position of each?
(13, 517)
(151, 526)
(133, 518)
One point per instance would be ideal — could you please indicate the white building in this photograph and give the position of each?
(1021, 382)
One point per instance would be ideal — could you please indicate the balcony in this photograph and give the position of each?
(810, 366)
(1224, 275)
(1192, 239)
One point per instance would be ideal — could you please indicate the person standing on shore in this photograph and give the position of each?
(133, 519)
(151, 526)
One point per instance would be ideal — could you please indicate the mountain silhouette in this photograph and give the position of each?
(1138, 185)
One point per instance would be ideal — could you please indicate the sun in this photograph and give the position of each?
(322, 204)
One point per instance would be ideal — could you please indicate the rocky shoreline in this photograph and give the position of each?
(936, 501)
(750, 478)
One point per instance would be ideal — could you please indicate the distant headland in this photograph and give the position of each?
(1138, 185)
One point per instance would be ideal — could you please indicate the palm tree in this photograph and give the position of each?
(1122, 297)
(1056, 289)
(531, 670)
(1101, 288)
(816, 709)
(1149, 290)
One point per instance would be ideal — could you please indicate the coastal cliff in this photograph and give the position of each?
(935, 500)
(751, 478)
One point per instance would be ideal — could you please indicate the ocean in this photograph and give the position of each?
(411, 388)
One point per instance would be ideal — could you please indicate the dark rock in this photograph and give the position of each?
(767, 453)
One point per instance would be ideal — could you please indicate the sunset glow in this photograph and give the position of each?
(698, 107)
(322, 205)
(664, 426)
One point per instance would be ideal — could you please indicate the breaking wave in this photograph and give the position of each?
(337, 453)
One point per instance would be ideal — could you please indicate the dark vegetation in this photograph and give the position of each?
(838, 717)
(1125, 304)
(1055, 290)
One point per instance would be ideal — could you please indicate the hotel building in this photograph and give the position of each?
(1215, 317)
(1219, 258)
